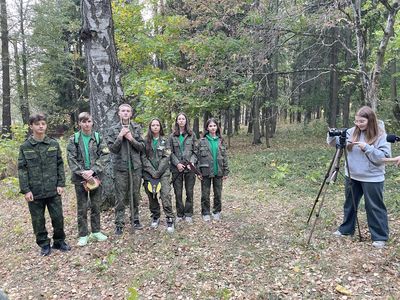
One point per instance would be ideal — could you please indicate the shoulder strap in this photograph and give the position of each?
(76, 137)
(97, 137)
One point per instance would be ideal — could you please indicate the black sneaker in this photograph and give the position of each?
(119, 230)
(137, 225)
(62, 246)
(45, 251)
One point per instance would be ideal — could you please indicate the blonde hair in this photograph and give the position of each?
(125, 105)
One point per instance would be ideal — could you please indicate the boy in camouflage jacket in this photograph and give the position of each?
(42, 181)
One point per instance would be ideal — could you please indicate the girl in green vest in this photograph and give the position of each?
(156, 174)
(213, 165)
(183, 151)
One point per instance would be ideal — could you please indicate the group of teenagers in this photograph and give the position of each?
(152, 159)
(155, 160)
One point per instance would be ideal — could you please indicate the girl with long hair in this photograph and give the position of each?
(367, 147)
(183, 146)
(156, 174)
(213, 165)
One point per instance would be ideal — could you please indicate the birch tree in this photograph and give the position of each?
(105, 90)
(370, 78)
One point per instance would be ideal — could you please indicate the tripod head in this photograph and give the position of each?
(341, 133)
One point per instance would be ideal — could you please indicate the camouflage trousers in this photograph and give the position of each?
(165, 196)
(205, 194)
(184, 209)
(84, 201)
(37, 210)
(123, 196)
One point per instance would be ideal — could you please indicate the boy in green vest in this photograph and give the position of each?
(87, 157)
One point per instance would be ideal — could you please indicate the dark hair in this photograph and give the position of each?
(218, 133)
(37, 117)
(372, 132)
(187, 127)
(149, 135)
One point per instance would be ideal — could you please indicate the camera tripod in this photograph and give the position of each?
(330, 177)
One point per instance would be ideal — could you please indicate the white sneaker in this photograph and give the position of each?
(206, 218)
(170, 227)
(217, 216)
(83, 240)
(338, 233)
(154, 223)
(178, 219)
(379, 244)
(189, 220)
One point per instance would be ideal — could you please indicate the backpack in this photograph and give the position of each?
(78, 134)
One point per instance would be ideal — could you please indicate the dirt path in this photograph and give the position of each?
(257, 251)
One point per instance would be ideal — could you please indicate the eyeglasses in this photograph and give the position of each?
(360, 121)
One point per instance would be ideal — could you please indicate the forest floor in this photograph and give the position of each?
(257, 251)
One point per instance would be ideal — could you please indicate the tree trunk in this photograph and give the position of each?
(105, 90)
(334, 81)
(230, 128)
(25, 104)
(196, 124)
(5, 64)
(237, 120)
(256, 121)
(370, 83)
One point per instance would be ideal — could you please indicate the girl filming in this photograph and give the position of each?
(156, 174)
(213, 165)
(366, 147)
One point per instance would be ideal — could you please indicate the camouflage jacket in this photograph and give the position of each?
(189, 150)
(205, 159)
(156, 163)
(98, 153)
(119, 148)
(40, 167)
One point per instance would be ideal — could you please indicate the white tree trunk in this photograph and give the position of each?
(105, 90)
(370, 80)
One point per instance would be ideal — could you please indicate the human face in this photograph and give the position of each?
(38, 128)
(125, 113)
(155, 127)
(86, 125)
(181, 120)
(212, 128)
(361, 123)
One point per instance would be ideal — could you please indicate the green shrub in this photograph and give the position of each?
(9, 149)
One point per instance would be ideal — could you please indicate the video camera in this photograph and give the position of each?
(391, 138)
(337, 132)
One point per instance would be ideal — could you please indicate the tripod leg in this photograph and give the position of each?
(317, 214)
(332, 170)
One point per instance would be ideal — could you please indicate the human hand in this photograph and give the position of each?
(362, 145)
(87, 174)
(129, 136)
(224, 177)
(181, 167)
(28, 197)
(60, 190)
(123, 132)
